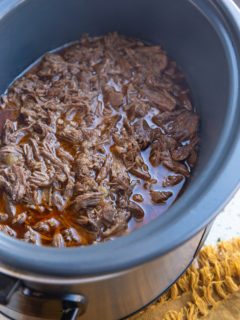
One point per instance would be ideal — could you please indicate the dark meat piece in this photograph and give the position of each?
(172, 180)
(120, 223)
(140, 172)
(104, 171)
(151, 56)
(16, 184)
(108, 125)
(114, 97)
(87, 200)
(108, 214)
(52, 65)
(89, 225)
(138, 198)
(157, 58)
(161, 99)
(127, 148)
(160, 196)
(9, 206)
(119, 177)
(143, 133)
(136, 210)
(184, 126)
(162, 118)
(161, 148)
(181, 153)
(88, 163)
(165, 150)
(192, 159)
(125, 67)
(119, 186)
(136, 110)
(176, 167)
(71, 135)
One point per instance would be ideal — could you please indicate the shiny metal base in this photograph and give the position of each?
(108, 297)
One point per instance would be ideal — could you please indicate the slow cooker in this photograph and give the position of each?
(115, 279)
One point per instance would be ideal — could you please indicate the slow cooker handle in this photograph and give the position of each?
(8, 286)
(73, 305)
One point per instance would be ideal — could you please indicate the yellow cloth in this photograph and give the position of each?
(209, 290)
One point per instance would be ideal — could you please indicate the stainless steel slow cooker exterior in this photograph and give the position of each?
(114, 279)
(110, 296)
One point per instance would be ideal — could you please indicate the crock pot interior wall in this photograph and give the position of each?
(39, 26)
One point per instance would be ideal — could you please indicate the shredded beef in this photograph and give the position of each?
(160, 196)
(88, 134)
(172, 180)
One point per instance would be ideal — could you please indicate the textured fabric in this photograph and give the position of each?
(209, 290)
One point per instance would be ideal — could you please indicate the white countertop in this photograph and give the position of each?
(227, 224)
